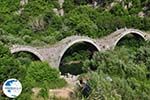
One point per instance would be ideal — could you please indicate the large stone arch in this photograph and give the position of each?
(31, 50)
(129, 31)
(87, 40)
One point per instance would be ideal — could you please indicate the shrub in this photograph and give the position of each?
(40, 74)
(9, 66)
(118, 75)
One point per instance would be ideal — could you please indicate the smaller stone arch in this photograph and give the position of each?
(129, 31)
(31, 50)
(74, 42)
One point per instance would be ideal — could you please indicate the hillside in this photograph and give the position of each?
(119, 74)
(34, 22)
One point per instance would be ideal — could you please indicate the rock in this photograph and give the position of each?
(95, 3)
(141, 14)
(19, 12)
(61, 12)
(118, 0)
(64, 93)
(23, 2)
(126, 7)
(130, 5)
(36, 91)
(38, 24)
(70, 79)
(109, 78)
(61, 3)
(56, 11)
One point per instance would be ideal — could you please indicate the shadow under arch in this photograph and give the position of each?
(31, 51)
(133, 34)
(76, 47)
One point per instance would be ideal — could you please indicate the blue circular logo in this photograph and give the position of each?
(12, 88)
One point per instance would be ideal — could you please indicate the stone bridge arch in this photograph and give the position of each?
(110, 41)
(130, 31)
(53, 54)
(34, 51)
(73, 40)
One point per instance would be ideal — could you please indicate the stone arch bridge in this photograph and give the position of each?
(53, 54)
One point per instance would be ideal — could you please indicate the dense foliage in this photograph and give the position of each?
(38, 24)
(40, 75)
(120, 74)
(9, 66)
